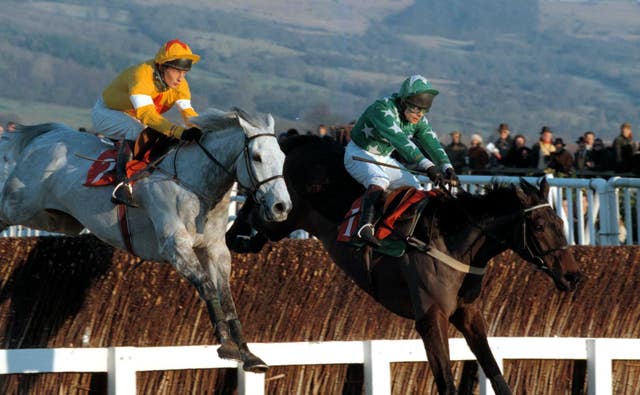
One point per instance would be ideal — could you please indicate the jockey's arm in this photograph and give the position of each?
(428, 141)
(184, 105)
(149, 116)
(187, 115)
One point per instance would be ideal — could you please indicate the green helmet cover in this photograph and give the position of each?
(414, 85)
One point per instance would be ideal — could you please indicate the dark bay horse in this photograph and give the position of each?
(470, 228)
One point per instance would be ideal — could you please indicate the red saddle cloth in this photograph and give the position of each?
(396, 203)
(103, 171)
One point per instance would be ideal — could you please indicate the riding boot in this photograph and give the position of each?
(369, 216)
(123, 193)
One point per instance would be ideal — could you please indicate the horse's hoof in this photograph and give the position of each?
(229, 350)
(255, 365)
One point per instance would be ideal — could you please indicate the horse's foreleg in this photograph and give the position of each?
(188, 265)
(470, 322)
(217, 259)
(432, 328)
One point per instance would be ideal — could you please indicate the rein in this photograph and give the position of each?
(536, 257)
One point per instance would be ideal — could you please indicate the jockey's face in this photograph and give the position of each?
(172, 77)
(414, 114)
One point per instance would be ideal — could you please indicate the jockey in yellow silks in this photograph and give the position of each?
(132, 105)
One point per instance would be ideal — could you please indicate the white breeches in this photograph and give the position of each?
(371, 174)
(114, 124)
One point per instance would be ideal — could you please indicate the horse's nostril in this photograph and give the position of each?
(279, 208)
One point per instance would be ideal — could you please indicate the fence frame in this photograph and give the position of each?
(122, 363)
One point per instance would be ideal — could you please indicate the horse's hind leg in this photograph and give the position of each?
(470, 322)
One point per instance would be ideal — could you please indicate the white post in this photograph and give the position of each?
(250, 383)
(122, 371)
(599, 366)
(483, 381)
(377, 369)
(233, 205)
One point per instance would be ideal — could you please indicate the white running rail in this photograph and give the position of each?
(122, 363)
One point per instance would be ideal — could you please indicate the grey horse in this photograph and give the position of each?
(183, 210)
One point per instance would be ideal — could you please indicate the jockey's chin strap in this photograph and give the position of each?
(537, 256)
(253, 179)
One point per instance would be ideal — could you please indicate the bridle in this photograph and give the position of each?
(536, 257)
(255, 184)
(535, 254)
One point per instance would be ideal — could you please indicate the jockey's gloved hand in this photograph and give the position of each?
(451, 176)
(191, 134)
(435, 175)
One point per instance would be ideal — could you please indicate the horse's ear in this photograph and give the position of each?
(522, 196)
(244, 124)
(524, 191)
(544, 188)
(527, 187)
(270, 122)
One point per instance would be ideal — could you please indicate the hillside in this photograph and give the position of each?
(567, 65)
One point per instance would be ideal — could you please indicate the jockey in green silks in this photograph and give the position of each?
(394, 123)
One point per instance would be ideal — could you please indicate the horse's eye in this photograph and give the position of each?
(256, 158)
(538, 224)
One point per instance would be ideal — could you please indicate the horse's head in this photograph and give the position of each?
(540, 238)
(260, 169)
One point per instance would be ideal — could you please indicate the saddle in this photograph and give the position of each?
(402, 209)
(102, 171)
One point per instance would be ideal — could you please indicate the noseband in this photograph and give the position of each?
(537, 256)
(253, 179)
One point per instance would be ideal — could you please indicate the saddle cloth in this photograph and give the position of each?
(103, 171)
(400, 208)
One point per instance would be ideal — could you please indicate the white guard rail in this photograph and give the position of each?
(122, 363)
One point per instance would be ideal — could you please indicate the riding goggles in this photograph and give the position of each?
(416, 110)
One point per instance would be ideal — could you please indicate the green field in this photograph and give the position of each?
(29, 112)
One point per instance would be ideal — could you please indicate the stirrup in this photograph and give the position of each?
(123, 194)
(368, 236)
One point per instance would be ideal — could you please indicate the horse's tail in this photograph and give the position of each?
(12, 144)
(15, 142)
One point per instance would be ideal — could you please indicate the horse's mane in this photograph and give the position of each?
(214, 119)
(293, 142)
(452, 213)
(497, 197)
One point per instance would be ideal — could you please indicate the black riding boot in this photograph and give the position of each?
(123, 193)
(369, 216)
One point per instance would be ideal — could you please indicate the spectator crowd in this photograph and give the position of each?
(549, 154)
(513, 155)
